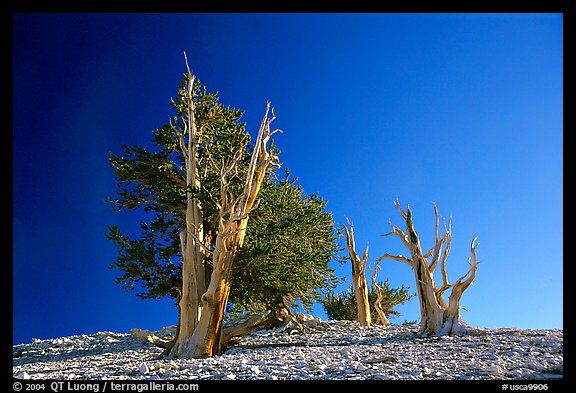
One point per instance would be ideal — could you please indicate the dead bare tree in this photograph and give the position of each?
(379, 295)
(437, 317)
(358, 275)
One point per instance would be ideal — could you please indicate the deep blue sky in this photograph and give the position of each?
(464, 110)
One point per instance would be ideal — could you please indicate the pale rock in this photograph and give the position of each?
(337, 350)
(346, 351)
(22, 375)
(515, 374)
(144, 368)
(61, 342)
(492, 370)
(300, 354)
(473, 331)
(535, 365)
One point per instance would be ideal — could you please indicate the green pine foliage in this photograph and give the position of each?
(290, 239)
(342, 306)
(289, 243)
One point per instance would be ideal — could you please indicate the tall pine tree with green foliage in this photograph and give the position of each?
(289, 241)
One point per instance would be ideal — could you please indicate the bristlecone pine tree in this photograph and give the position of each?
(200, 189)
(202, 304)
(437, 317)
(343, 306)
(358, 275)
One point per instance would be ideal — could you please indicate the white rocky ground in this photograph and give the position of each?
(324, 350)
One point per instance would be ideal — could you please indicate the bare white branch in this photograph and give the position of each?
(398, 258)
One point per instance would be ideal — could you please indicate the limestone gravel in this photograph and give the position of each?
(325, 350)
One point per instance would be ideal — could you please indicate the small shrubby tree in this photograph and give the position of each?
(343, 306)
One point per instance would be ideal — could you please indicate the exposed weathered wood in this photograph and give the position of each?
(379, 295)
(457, 326)
(192, 236)
(204, 296)
(398, 258)
(234, 213)
(245, 327)
(150, 337)
(358, 275)
(437, 318)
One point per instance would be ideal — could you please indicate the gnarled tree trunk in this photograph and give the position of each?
(437, 318)
(192, 236)
(358, 275)
(379, 296)
(202, 305)
(233, 220)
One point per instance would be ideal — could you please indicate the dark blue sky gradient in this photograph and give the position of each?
(464, 110)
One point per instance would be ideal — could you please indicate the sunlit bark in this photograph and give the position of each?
(437, 318)
(202, 304)
(358, 275)
(234, 214)
(191, 237)
(379, 296)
